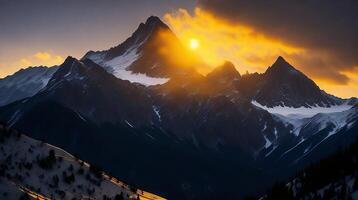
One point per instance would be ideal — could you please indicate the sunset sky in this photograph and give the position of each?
(317, 37)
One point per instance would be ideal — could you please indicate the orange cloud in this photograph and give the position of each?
(253, 51)
(43, 56)
(221, 41)
(346, 91)
(37, 59)
(40, 58)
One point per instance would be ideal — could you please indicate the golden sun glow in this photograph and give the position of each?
(194, 44)
(37, 59)
(220, 41)
(248, 49)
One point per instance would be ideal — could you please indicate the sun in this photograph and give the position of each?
(194, 43)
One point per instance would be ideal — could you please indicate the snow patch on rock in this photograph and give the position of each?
(302, 112)
(118, 67)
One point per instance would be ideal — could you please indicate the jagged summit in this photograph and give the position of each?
(73, 70)
(224, 73)
(155, 21)
(69, 60)
(70, 69)
(139, 36)
(70, 64)
(280, 59)
(153, 53)
(228, 67)
(143, 31)
(284, 85)
(282, 66)
(281, 62)
(284, 71)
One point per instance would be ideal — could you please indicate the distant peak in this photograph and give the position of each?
(228, 66)
(280, 59)
(153, 19)
(151, 23)
(281, 65)
(154, 22)
(70, 59)
(227, 71)
(69, 64)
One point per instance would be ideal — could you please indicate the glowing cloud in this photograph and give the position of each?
(221, 41)
(348, 90)
(40, 58)
(37, 59)
(253, 51)
(43, 56)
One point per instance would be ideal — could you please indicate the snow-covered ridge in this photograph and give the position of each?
(43, 171)
(119, 59)
(118, 67)
(302, 112)
(28, 75)
(24, 83)
(307, 122)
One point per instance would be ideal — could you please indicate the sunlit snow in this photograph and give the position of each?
(156, 111)
(302, 112)
(118, 67)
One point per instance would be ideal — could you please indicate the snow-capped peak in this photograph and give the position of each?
(118, 66)
(151, 56)
(117, 60)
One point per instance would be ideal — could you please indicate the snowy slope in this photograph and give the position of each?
(24, 83)
(118, 60)
(331, 123)
(118, 67)
(150, 56)
(299, 117)
(28, 167)
(312, 126)
(302, 112)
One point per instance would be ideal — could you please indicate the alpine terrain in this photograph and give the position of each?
(144, 112)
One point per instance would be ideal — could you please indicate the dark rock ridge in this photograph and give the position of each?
(224, 73)
(283, 85)
(83, 107)
(88, 89)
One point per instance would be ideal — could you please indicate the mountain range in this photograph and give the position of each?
(143, 112)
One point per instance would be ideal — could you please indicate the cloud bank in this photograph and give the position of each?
(327, 29)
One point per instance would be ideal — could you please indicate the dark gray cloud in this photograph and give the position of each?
(328, 28)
